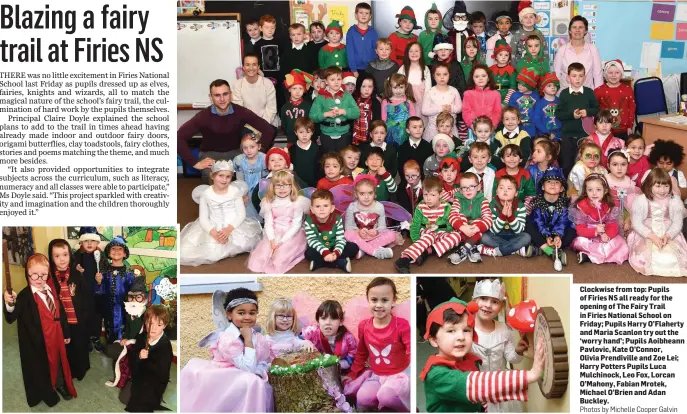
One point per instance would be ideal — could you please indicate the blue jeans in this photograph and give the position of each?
(507, 241)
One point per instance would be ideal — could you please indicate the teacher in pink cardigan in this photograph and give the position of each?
(577, 50)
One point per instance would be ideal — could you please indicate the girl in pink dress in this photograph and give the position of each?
(440, 98)
(384, 343)
(235, 379)
(417, 71)
(366, 221)
(283, 329)
(599, 239)
(623, 189)
(283, 245)
(657, 246)
(639, 161)
(330, 336)
(603, 136)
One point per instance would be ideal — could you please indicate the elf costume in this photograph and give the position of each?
(299, 108)
(467, 64)
(325, 102)
(427, 36)
(517, 42)
(430, 228)
(456, 385)
(544, 116)
(331, 55)
(400, 40)
(538, 63)
(326, 238)
(504, 76)
(525, 101)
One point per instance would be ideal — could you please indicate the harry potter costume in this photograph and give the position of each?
(77, 300)
(42, 330)
(150, 376)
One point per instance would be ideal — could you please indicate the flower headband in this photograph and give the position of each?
(362, 177)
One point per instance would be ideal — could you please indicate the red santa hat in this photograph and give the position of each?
(278, 151)
(611, 63)
(525, 7)
(348, 77)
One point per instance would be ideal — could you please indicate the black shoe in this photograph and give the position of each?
(403, 265)
(421, 259)
(582, 258)
(90, 346)
(314, 265)
(344, 264)
(98, 346)
(64, 393)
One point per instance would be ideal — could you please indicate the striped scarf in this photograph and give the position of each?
(66, 296)
(362, 124)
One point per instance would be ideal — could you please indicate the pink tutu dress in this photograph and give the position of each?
(587, 217)
(345, 348)
(386, 383)
(235, 380)
(284, 224)
(660, 217)
(624, 192)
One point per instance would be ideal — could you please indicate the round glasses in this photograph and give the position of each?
(284, 317)
(138, 297)
(36, 276)
(282, 186)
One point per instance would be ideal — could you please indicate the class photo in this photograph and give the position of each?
(90, 320)
(295, 344)
(434, 138)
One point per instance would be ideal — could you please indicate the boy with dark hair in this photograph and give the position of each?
(305, 154)
(361, 40)
(478, 23)
(511, 155)
(430, 227)
(452, 378)
(374, 161)
(503, 21)
(253, 30)
(415, 148)
(389, 152)
(317, 37)
(150, 362)
(574, 103)
(433, 20)
(324, 232)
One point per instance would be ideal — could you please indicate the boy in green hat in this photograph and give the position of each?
(525, 98)
(433, 27)
(404, 35)
(534, 56)
(334, 53)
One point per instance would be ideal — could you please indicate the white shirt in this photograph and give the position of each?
(571, 89)
(297, 47)
(246, 361)
(383, 146)
(506, 133)
(41, 295)
(414, 144)
(487, 180)
(304, 147)
(254, 41)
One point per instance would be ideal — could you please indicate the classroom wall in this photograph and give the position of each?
(196, 310)
(41, 238)
(554, 292)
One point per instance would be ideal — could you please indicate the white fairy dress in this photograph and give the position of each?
(218, 211)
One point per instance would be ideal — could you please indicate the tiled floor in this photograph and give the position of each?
(93, 395)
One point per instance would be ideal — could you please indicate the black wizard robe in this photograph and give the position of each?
(150, 376)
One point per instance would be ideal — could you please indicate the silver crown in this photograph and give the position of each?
(222, 166)
(490, 288)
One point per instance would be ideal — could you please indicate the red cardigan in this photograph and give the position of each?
(480, 101)
(587, 208)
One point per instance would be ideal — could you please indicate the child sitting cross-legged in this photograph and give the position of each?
(511, 157)
(452, 378)
(324, 233)
(507, 233)
(471, 217)
(430, 227)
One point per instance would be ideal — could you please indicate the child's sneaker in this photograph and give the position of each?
(402, 265)
(421, 258)
(474, 255)
(583, 258)
(526, 251)
(383, 253)
(314, 266)
(459, 256)
(489, 251)
(98, 346)
(344, 264)
(536, 251)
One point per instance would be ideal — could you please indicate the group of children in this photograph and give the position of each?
(60, 316)
(480, 160)
(242, 353)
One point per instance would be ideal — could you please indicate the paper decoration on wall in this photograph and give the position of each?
(651, 53)
(662, 12)
(339, 13)
(681, 31)
(681, 12)
(662, 31)
(672, 50)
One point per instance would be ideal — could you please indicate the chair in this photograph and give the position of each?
(650, 99)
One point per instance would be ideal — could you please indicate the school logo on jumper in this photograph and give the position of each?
(383, 355)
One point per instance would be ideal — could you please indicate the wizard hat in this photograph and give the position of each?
(117, 241)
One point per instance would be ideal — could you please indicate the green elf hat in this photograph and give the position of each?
(335, 25)
(547, 79)
(501, 46)
(408, 13)
(528, 78)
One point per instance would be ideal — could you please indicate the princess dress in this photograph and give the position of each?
(218, 211)
(660, 217)
(386, 383)
(586, 217)
(624, 193)
(283, 224)
(397, 113)
(495, 349)
(235, 380)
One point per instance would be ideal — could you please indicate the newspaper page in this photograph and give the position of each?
(87, 104)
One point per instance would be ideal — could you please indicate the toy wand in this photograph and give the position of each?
(6, 265)
(148, 334)
(96, 256)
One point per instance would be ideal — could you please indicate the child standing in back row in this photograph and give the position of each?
(404, 35)
(361, 40)
(618, 98)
